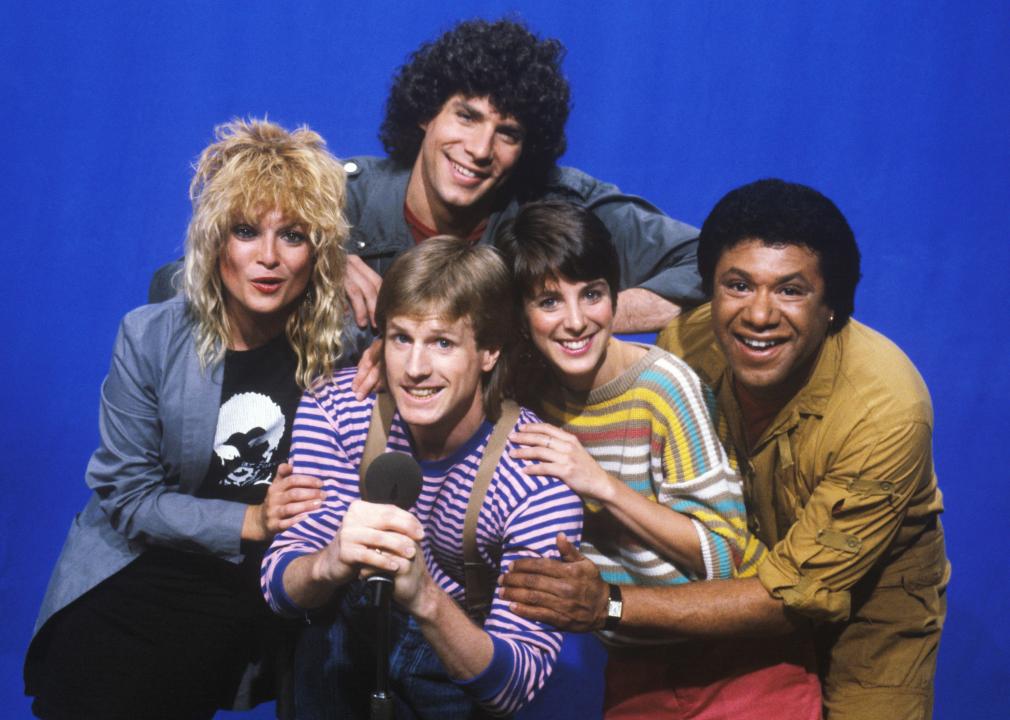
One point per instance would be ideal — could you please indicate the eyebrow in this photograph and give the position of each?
(507, 123)
(439, 328)
(594, 283)
(464, 105)
(778, 281)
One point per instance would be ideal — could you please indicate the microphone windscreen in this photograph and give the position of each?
(393, 478)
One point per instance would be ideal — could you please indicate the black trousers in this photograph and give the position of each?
(168, 636)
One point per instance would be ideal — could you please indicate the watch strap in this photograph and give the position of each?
(615, 608)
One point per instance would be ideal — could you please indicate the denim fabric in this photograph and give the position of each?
(335, 668)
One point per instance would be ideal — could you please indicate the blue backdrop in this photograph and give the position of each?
(898, 111)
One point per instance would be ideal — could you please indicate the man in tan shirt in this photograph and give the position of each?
(832, 426)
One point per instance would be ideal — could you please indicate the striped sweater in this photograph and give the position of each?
(651, 428)
(520, 517)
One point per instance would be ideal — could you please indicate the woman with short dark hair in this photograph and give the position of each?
(631, 431)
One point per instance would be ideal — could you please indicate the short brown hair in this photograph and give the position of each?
(450, 278)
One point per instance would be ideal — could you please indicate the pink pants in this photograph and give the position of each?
(745, 679)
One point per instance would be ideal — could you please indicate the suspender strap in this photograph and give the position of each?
(480, 579)
(378, 434)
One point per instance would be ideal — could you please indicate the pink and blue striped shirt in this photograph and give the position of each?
(520, 517)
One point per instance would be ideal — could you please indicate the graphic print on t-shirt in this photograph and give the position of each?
(249, 429)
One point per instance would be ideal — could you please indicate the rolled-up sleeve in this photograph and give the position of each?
(851, 518)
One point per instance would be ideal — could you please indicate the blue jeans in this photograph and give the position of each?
(335, 668)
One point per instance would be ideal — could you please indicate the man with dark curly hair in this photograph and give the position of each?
(474, 126)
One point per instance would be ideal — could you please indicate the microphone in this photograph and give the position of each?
(393, 478)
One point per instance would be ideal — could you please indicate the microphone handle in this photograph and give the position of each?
(380, 588)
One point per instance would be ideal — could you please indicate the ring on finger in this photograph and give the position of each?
(378, 551)
(549, 443)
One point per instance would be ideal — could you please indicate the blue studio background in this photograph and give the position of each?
(898, 111)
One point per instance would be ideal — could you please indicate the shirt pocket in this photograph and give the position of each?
(791, 493)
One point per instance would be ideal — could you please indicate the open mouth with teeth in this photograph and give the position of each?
(576, 346)
(422, 393)
(755, 344)
(465, 172)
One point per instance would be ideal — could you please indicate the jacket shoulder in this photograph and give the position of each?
(876, 374)
(573, 184)
(689, 336)
(157, 329)
(362, 169)
(375, 192)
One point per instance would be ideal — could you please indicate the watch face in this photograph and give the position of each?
(614, 609)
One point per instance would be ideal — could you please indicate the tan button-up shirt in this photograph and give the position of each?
(840, 486)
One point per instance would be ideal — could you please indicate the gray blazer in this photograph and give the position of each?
(157, 421)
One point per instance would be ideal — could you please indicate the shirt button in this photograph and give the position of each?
(350, 167)
(886, 486)
(852, 543)
(361, 244)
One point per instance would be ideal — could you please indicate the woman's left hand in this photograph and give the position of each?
(560, 454)
(289, 497)
(369, 378)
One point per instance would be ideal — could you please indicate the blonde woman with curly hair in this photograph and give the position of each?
(154, 608)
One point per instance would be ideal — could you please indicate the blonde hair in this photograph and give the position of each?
(453, 279)
(255, 167)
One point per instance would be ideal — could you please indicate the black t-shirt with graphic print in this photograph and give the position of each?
(259, 398)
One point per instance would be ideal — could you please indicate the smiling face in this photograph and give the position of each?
(468, 153)
(433, 371)
(769, 316)
(569, 323)
(265, 266)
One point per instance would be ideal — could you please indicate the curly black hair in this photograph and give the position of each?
(502, 60)
(783, 213)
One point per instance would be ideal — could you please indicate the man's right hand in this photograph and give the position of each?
(567, 593)
(361, 284)
(372, 538)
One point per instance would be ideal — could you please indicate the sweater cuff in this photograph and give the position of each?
(278, 596)
(489, 683)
